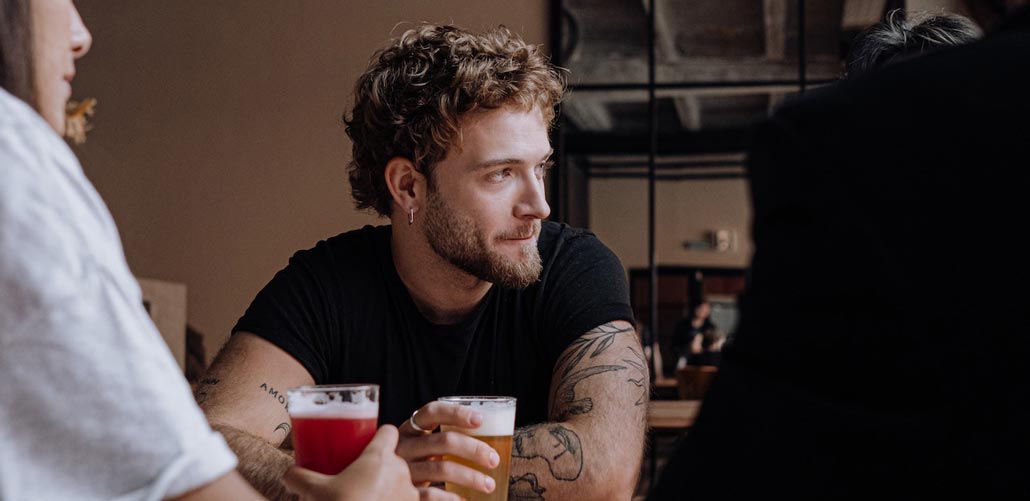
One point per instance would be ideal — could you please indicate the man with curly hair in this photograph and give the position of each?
(467, 292)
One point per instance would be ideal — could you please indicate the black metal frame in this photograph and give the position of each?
(560, 182)
(688, 142)
(628, 143)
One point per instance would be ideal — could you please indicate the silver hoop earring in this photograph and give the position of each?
(411, 217)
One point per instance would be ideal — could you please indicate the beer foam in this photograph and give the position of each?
(313, 405)
(498, 419)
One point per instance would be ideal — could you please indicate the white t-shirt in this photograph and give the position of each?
(92, 403)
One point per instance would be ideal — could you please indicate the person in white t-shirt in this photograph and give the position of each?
(92, 404)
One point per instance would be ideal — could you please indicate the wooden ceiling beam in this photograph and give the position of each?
(775, 16)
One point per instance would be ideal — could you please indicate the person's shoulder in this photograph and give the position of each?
(349, 242)
(954, 93)
(29, 200)
(995, 63)
(14, 111)
(350, 249)
(23, 136)
(813, 110)
(563, 247)
(557, 237)
(42, 259)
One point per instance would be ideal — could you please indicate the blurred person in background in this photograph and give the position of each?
(698, 340)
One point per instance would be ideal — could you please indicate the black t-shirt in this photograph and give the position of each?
(342, 311)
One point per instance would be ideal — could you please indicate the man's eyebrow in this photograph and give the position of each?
(508, 161)
(494, 163)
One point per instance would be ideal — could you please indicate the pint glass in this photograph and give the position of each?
(332, 424)
(496, 430)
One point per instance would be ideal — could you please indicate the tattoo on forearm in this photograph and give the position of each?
(565, 402)
(283, 426)
(274, 393)
(593, 343)
(205, 384)
(560, 447)
(640, 365)
(525, 488)
(597, 340)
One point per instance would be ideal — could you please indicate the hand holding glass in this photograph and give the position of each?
(496, 431)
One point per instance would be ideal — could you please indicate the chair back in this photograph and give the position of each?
(693, 380)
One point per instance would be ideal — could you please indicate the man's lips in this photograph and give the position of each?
(525, 235)
(520, 236)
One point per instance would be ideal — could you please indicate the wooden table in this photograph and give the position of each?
(672, 414)
(665, 389)
(665, 416)
(666, 382)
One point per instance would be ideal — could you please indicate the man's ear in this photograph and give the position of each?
(405, 183)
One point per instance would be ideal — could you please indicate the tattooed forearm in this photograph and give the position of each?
(565, 402)
(559, 446)
(200, 394)
(261, 463)
(587, 346)
(274, 393)
(640, 366)
(525, 488)
(594, 342)
(593, 412)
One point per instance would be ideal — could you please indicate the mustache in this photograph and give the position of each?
(531, 230)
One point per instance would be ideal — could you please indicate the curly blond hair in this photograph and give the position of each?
(409, 101)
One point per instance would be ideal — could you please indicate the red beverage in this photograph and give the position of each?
(329, 444)
(332, 424)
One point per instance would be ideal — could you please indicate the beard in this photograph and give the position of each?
(459, 240)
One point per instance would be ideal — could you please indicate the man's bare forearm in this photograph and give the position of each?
(547, 462)
(593, 447)
(555, 461)
(260, 462)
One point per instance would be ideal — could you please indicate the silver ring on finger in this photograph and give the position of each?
(415, 426)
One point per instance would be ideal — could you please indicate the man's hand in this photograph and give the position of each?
(424, 451)
(377, 474)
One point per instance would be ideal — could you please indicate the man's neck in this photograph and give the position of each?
(443, 293)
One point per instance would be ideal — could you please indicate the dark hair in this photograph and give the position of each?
(897, 38)
(16, 68)
(409, 101)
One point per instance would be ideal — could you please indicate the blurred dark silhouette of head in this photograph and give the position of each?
(902, 36)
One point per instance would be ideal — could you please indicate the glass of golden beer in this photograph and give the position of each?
(496, 430)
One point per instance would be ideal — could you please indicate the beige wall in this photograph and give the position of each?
(952, 6)
(684, 210)
(218, 145)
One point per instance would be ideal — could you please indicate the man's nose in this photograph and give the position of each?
(533, 203)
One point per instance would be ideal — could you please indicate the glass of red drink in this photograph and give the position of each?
(332, 424)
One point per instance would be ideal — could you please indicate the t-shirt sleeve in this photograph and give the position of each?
(95, 407)
(294, 312)
(585, 287)
(92, 403)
